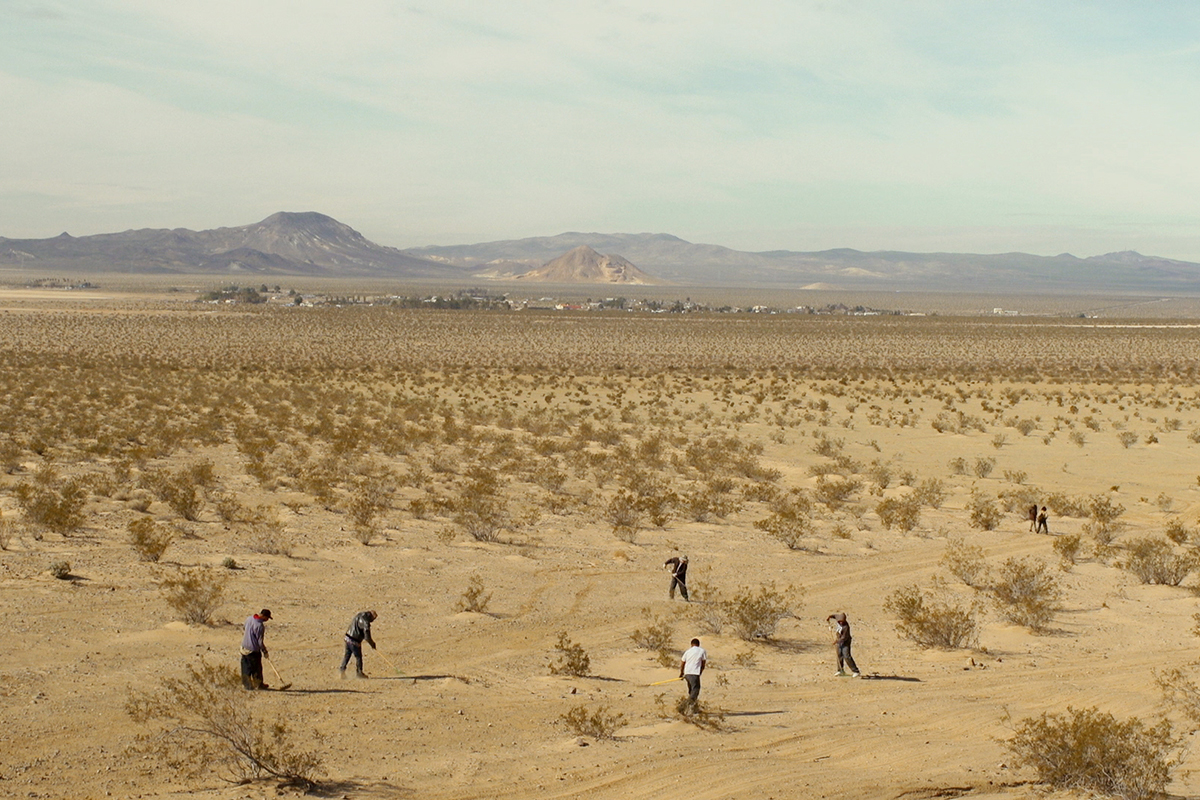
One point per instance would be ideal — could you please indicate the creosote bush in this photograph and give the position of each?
(572, 659)
(1026, 592)
(966, 562)
(149, 539)
(1068, 547)
(60, 570)
(205, 722)
(931, 621)
(473, 598)
(756, 613)
(984, 513)
(1155, 561)
(595, 724)
(1090, 750)
(195, 593)
(52, 503)
(790, 521)
(903, 513)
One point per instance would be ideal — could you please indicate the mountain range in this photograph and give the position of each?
(310, 243)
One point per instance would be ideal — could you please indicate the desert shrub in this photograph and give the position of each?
(229, 508)
(933, 621)
(229, 562)
(571, 658)
(880, 474)
(1090, 750)
(370, 498)
(1026, 592)
(52, 503)
(266, 534)
(983, 467)
(702, 715)
(657, 635)
(194, 593)
(984, 513)
(1019, 498)
(205, 721)
(900, 512)
(930, 492)
(1062, 505)
(473, 597)
(481, 516)
(835, 492)
(1177, 531)
(149, 539)
(1017, 476)
(1127, 438)
(183, 489)
(1068, 547)
(958, 466)
(60, 570)
(1155, 561)
(625, 514)
(6, 532)
(597, 724)
(1077, 438)
(756, 614)
(998, 441)
(790, 521)
(965, 562)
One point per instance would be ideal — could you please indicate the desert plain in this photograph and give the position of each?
(540, 467)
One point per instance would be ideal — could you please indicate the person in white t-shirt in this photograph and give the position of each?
(691, 665)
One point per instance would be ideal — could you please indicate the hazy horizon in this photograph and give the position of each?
(886, 126)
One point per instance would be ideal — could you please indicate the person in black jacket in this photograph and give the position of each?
(358, 632)
(842, 643)
(678, 566)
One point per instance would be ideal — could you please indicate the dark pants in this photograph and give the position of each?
(844, 657)
(682, 584)
(252, 677)
(353, 648)
(693, 682)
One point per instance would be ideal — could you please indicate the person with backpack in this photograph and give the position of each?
(358, 632)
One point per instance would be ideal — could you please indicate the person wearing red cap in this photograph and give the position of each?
(253, 650)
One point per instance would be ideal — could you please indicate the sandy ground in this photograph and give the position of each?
(471, 710)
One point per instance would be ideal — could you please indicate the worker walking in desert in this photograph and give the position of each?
(254, 649)
(358, 632)
(691, 666)
(678, 566)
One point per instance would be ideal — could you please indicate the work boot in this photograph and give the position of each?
(264, 686)
(342, 673)
(361, 674)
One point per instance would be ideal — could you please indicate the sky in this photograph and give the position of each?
(792, 124)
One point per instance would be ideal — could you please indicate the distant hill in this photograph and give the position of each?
(282, 244)
(585, 265)
(678, 261)
(314, 244)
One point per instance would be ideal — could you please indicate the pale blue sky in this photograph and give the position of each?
(966, 126)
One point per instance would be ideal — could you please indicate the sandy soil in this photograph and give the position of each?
(471, 711)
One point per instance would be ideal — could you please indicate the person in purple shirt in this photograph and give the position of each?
(254, 650)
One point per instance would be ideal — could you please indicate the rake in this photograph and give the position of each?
(283, 686)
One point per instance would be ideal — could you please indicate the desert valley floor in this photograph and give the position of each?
(557, 460)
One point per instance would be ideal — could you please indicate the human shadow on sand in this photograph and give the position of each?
(752, 713)
(905, 678)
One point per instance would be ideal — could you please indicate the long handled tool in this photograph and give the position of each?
(672, 680)
(283, 686)
(388, 661)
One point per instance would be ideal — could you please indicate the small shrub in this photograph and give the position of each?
(206, 722)
(572, 659)
(6, 532)
(903, 513)
(1068, 547)
(710, 718)
(625, 514)
(1155, 561)
(149, 539)
(657, 635)
(1026, 593)
(52, 503)
(984, 513)
(835, 492)
(1177, 532)
(267, 535)
(1127, 439)
(194, 593)
(229, 562)
(1077, 438)
(597, 724)
(1016, 476)
(930, 492)
(931, 621)
(473, 598)
(1090, 750)
(61, 570)
(966, 562)
(756, 614)
(984, 466)
(790, 521)
(958, 466)
(998, 441)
